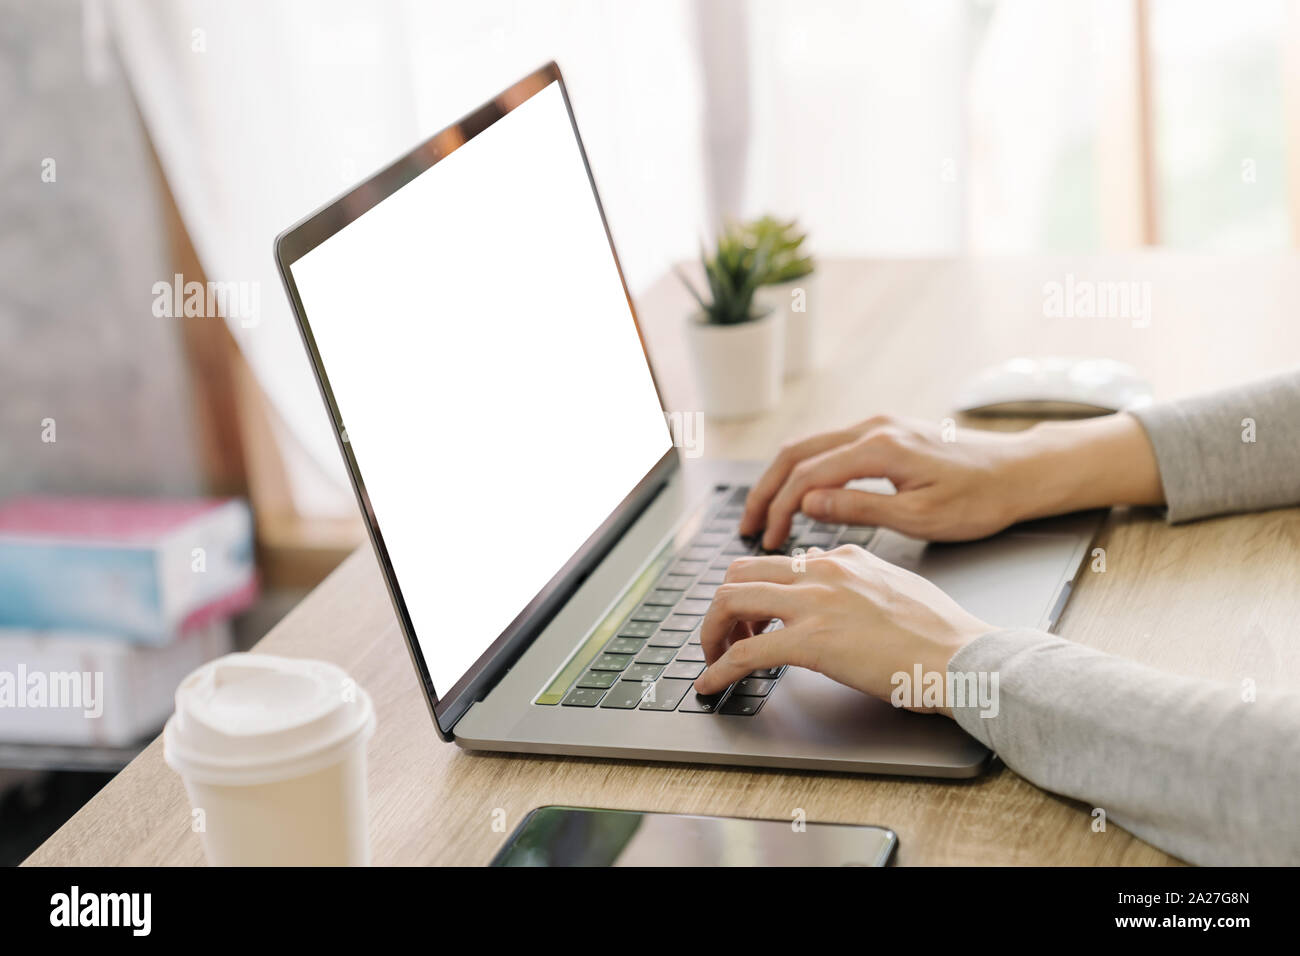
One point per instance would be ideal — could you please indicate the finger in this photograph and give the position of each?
(776, 569)
(772, 649)
(866, 458)
(739, 631)
(760, 496)
(734, 603)
(850, 506)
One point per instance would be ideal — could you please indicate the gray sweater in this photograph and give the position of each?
(1187, 765)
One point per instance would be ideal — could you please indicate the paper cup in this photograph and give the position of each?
(272, 752)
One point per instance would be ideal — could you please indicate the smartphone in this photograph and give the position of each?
(583, 836)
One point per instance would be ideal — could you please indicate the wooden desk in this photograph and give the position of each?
(1219, 598)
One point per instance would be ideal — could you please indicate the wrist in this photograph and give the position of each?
(965, 631)
(1059, 467)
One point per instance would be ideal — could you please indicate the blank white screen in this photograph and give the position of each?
(488, 372)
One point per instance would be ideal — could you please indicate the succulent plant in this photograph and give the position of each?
(781, 242)
(733, 272)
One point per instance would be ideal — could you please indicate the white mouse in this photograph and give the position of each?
(1054, 386)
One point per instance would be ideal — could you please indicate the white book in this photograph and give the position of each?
(61, 687)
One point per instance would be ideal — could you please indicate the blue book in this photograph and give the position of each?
(143, 570)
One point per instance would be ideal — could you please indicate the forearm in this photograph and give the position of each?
(1185, 764)
(1074, 466)
(1232, 450)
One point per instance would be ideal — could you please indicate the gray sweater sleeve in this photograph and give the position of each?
(1232, 450)
(1191, 766)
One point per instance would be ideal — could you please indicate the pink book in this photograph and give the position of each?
(137, 568)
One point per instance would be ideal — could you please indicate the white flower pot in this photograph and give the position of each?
(738, 367)
(796, 300)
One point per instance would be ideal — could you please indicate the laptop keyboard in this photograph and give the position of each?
(651, 662)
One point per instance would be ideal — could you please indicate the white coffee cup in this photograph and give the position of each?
(272, 751)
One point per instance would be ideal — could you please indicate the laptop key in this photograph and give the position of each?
(655, 655)
(815, 539)
(669, 639)
(611, 662)
(692, 653)
(694, 703)
(626, 694)
(681, 622)
(737, 706)
(691, 568)
(702, 592)
(638, 629)
(641, 672)
(710, 539)
(665, 694)
(714, 576)
(660, 596)
(683, 670)
(650, 612)
(858, 535)
(767, 673)
(699, 554)
(675, 582)
(753, 686)
(583, 697)
(737, 547)
(624, 645)
(692, 606)
(598, 679)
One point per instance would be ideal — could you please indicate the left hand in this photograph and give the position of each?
(847, 614)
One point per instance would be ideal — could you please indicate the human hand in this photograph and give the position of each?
(847, 614)
(970, 487)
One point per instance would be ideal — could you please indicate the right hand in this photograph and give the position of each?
(846, 613)
(970, 487)
(948, 491)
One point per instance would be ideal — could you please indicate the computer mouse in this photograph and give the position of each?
(1054, 385)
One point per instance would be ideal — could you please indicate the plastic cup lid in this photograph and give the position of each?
(247, 719)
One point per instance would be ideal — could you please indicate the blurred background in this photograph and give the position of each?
(147, 140)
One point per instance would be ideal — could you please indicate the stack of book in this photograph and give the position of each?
(106, 604)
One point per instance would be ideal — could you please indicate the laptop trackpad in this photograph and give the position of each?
(1010, 580)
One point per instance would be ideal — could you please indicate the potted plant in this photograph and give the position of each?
(737, 345)
(786, 286)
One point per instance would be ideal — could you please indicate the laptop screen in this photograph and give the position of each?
(488, 373)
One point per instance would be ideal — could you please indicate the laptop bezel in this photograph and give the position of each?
(308, 233)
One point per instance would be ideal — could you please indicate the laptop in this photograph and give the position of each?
(548, 551)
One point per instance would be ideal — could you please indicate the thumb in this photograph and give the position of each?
(849, 506)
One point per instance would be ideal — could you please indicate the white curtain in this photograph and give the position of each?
(846, 114)
(858, 122)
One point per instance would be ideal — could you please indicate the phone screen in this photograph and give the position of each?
(579, 836)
